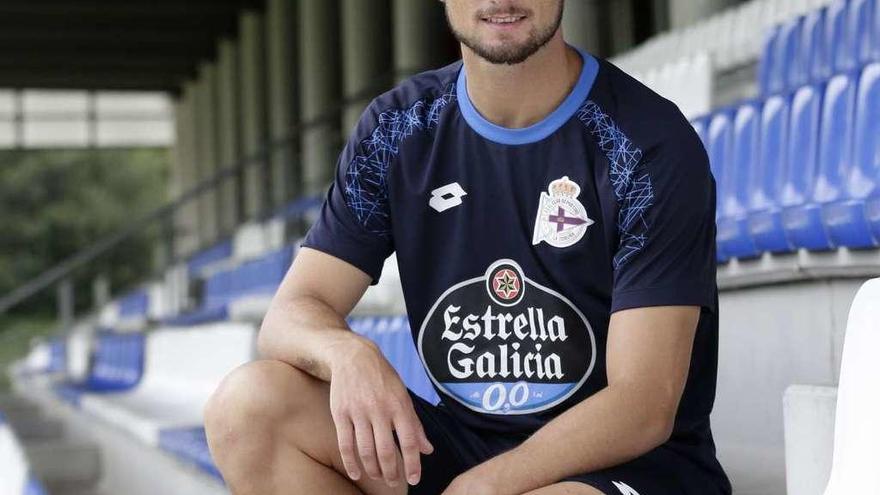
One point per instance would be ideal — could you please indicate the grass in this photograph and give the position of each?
(16, 333)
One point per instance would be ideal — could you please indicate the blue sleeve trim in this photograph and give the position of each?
(366, 186)
(632, 186)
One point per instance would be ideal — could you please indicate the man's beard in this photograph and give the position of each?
(510, 54)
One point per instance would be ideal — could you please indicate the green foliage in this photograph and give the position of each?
(16, 333)
(55, 203)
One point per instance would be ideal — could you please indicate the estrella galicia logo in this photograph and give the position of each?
(503, 344)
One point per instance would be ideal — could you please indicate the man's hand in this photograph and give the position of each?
(367, 401)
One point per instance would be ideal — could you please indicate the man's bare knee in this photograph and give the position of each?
(255, 396)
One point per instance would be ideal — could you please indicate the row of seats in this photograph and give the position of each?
(810, 48)
(731, 38)
(154, 385)
(686, 82)
(15, 475)
(180, 289)
(799, 170)
(253, 283)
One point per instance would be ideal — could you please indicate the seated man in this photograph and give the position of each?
(554, 225)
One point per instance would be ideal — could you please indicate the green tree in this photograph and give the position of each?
(54, 203)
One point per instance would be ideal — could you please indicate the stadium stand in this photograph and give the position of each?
(797, 170)
(15, 475)
(813, 426)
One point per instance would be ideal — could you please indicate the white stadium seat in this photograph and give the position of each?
(848, 414)
(13, 465)
(182, 369)
(857, 422)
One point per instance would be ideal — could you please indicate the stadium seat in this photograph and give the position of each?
(814, 46)
(393, 335)
(846, 219)
(13, 465)
(117, 365)
(875, 30)
(770, 78)
(15, 475)
(834, 164)
(242, 291)
(699, 126)
(720, 149)
(856, 428)
(182, 368)
(733, 234)
(790, 65)
(861, 31)
(204, 259)
(801, 219)
(767, 175)
(190, 444)
(841, 49)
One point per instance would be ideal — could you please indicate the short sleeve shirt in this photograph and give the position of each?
(515, 245)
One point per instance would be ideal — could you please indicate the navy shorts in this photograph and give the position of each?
(457, 448)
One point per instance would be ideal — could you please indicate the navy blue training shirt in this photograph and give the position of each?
(516, 245)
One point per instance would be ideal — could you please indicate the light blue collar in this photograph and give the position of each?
(540, 130)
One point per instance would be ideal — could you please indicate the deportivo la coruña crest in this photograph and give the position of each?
(562, 219)
(503, 344)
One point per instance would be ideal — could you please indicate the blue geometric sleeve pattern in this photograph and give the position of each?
(632, 186)
(366, 188)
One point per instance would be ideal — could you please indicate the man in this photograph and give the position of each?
(553, 221)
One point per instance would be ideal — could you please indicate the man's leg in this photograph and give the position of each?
(270, 432)
(566, 488)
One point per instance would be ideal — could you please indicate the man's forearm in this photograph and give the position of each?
(607, 429)
(307, 334)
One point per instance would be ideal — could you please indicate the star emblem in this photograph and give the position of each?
(506, 284)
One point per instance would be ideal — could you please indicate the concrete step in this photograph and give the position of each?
(65, 465)
(37, 429)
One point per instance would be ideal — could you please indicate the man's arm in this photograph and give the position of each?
(305, 327)
(648, 357)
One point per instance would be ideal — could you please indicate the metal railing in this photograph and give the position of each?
(164, 216)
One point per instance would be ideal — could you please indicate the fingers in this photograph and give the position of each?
(412, 442)
(346, 440)
(386, 451)
(366, 447)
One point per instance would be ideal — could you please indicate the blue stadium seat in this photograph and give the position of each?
(189, 444)
(257, 277)
(861, 30)
(298, 207)
(769, 76)
(789, 58)
(846, 218)
(213, 254)
(720, 149)
(767, 175)
(814, 46)
(733, 234)
(841, 48)
(835, 148)
(700, 128)
(875, 32)
(135, 304)
(117, 365)
(801, 220)
(392, 334)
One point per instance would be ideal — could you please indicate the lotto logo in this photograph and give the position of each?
(446, 197)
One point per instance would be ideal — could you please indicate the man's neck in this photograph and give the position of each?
(517, 96)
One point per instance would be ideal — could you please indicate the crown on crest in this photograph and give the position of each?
(564, 187)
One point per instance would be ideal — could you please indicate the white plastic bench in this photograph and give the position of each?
(182, 368)
(813, 417)
(13, 465)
